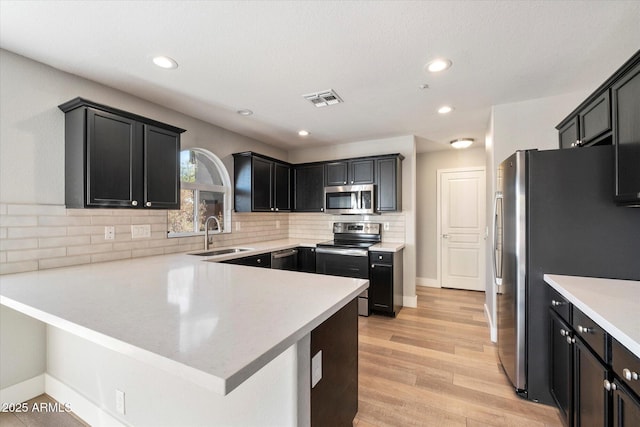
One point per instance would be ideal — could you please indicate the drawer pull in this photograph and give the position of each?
(570, 340)
(629, 375)
(557, 303)
(584, 330)
(609, 385)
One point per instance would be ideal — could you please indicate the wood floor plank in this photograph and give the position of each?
(435, 365)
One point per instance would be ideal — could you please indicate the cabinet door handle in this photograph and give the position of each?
(148, 204)
(321, 209)
(570, 340)
(557, 303)
(259, 261)
(563, 332)
(609, 385)
(276, 209)
(629, 375)
(584, 329)
(345, 182)
(373, 266)
(134, 203)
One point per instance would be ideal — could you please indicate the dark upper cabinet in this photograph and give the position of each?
(350, 172)
(115, 159)
(308, 188)
(389, 183)
(568, 133)
(625, 95)
(261, 184)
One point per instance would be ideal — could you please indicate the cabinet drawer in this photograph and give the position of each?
(381, 257)
(592, 334)
(626, 366)
(560, 305)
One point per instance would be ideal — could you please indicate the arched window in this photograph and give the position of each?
(205, 190)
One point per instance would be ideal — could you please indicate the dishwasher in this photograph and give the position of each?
(286, 259)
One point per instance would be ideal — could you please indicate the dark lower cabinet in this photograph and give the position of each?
(116, 159)
(626, 407)
(262, 260)
(306, 259)
(591, 399)
(334, 399)
(561, 381)
(385, 282)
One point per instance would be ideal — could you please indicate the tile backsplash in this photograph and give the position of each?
(36, 237)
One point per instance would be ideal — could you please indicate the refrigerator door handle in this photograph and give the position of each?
(497, 210)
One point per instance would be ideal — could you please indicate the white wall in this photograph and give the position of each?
(32, 129)
(23, 349)
(520, 126)
(427, 165)
(404, 145)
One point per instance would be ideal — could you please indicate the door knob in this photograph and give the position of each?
(445, 236)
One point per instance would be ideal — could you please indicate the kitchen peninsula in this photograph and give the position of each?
(236, 338)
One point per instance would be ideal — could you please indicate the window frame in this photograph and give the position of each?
(225, 189)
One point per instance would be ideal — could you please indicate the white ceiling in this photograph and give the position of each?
(263, 55)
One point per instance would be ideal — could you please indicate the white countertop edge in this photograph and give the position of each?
(554, 281)
(387, 247)
(209, 381)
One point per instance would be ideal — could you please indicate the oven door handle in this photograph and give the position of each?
(343, 251)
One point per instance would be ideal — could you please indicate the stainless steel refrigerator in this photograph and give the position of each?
(554, 214)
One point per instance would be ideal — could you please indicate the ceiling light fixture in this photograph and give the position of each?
(424, 86)
(438, 65)
(244, 112)
(445, 109)
(304, 132)
(165, 62)
(462, 142)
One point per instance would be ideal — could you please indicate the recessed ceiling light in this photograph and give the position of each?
(445, 109)
(438, 65)
(304, 132)
(244, 112)
(424, 86)
(462, 142)
(165, 62)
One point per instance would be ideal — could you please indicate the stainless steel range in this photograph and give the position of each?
(347, 255)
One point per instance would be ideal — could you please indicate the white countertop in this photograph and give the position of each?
(612, 304)
(214, 324)
(387, 247)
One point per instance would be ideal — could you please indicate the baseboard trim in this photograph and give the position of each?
(428, 282)
(410, 301)
(23, 391)
(492, 328)
(88, 411)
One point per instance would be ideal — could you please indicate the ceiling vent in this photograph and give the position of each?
(323, 98)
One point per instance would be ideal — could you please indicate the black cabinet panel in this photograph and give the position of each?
(118, 159)
(595, 119)
(385, 282)
(389, 184)
(624, 364)
(162, 172)
(569, 134)
(112, 166)
(306, 259)
(626, 136)
(591, 400)
(262, 260)
(261, 185)
(561, 363)
(308, 188)
(336, 173)
(282, 187)
(626, 407)
(334, 399)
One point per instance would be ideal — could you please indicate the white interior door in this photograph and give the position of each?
(462, 229)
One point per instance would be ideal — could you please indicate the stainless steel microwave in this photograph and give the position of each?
(350, 199)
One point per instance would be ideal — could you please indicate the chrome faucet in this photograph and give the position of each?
(206, 230)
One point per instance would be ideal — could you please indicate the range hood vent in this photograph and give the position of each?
(323, 98)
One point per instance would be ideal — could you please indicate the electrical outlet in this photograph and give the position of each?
(109, 232)
(386, 226)
(120, 402)
(140, 231)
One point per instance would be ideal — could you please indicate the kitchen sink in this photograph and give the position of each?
(216, 252)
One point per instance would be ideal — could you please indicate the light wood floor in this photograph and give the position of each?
(435, 366)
